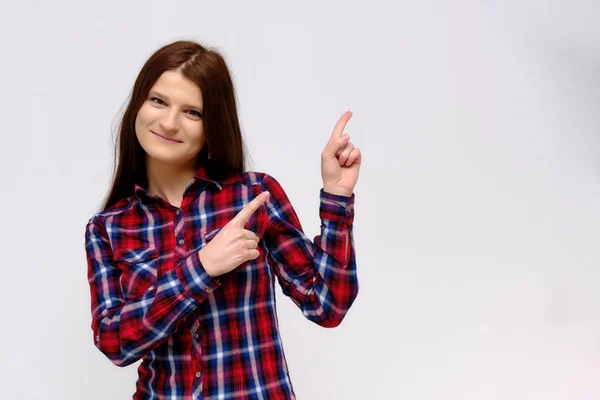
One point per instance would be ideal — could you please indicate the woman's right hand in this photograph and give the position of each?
(233, 245)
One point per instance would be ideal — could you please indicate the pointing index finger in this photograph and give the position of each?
(244, 215)
(341, 124)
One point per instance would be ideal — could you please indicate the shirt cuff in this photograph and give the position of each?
(336, 208)
(196, 282)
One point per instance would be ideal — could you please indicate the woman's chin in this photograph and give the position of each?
(165, 156)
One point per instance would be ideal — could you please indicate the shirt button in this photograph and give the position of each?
(97, 338)
(178, 211)
(198, 374)
(196, 336)
(181, 241)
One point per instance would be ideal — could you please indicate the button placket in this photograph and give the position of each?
(197, 366)
(179, 235)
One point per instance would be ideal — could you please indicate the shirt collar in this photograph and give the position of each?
(201, 174)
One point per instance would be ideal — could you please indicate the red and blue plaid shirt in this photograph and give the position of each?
(206, 338)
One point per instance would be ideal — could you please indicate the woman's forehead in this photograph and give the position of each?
(175, 87)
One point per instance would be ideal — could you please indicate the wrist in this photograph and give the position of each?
(206, 265)
(336, 191)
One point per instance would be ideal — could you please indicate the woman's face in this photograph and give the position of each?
(169, 124)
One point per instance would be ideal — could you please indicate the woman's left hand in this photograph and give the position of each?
(340, 161)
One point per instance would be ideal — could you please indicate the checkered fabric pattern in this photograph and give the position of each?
(209, 338)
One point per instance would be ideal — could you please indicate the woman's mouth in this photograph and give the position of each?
(165, 138)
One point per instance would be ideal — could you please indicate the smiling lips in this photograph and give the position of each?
(166, 138)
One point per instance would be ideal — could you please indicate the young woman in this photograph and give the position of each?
(183, 257)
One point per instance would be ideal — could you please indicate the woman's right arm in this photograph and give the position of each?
(125, 330)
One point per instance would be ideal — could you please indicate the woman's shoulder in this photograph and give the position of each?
(265, 180)
(116, 209)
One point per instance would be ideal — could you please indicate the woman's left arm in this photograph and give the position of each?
(319, 276)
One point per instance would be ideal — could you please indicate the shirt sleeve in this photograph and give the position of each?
(125, 330)
(320, 275)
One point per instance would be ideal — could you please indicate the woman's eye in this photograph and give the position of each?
(157, 100)
(195, 113)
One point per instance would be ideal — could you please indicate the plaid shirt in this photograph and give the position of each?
(200, 337)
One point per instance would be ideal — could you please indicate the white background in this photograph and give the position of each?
(477, 224)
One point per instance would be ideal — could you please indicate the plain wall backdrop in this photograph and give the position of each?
(477, 225)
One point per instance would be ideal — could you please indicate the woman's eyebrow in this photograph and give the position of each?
(165, 97)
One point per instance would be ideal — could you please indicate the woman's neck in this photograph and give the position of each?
(168, 181)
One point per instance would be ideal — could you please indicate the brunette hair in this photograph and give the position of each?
(207, 69)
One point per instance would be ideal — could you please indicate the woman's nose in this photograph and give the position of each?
(168, 121)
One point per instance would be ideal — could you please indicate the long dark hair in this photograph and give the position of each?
(206, 68)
